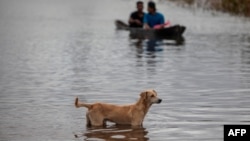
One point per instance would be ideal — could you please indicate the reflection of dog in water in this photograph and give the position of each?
(115, 132)
(99, 113)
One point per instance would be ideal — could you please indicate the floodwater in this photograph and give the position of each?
(54, 50)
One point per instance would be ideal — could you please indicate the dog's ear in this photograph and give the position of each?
(154, 91)
(144, 95)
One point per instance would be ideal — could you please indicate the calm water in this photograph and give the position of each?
(54, 50)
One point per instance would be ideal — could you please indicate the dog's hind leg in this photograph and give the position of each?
(88, 124)
(95, 119)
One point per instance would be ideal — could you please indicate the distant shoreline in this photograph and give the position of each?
(234, 7)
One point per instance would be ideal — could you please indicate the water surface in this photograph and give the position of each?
(54, 50)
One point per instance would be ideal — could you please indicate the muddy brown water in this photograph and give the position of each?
(54, 50)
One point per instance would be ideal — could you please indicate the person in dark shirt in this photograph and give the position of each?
(136, 18)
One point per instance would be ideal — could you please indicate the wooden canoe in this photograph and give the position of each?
(173, 32)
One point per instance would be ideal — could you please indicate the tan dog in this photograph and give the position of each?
(99, 113)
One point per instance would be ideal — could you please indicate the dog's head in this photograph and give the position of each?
(150, 96)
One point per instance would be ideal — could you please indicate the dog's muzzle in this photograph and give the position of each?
(159, 100)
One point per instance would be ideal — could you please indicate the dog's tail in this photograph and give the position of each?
(80, 104)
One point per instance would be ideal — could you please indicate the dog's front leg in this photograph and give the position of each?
(137, 122)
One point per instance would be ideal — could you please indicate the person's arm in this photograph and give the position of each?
(145, 22)
(162, 19)
(130, 20)
(146, 26)
(161, 24)
(133, 20)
